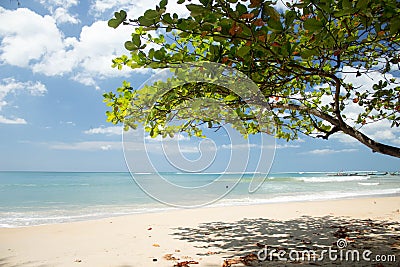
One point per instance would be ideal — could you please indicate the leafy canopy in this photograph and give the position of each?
(298, 58)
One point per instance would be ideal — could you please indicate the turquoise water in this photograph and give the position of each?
(33, 198)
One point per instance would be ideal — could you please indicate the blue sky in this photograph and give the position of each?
(55, 64)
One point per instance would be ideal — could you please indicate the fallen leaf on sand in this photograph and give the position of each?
(185, 263)
(249, 258)
(260, 245)
(228, 263)
(78, 260)
(169, 257)
(149, 228)
(156, 245)
(246, 260)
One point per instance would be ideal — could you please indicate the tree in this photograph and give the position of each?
(298, 57)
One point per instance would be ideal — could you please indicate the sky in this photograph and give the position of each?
(55, 64)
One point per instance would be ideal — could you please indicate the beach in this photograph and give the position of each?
(210, 236)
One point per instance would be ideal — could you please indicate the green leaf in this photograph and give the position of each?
(167, 19)
(119, 18)
(346, 4)
(136, 40)
(145, 21)
(130, 46)
(196, 10)
(121, 15)
(271, 12)
(149, 18)
(362, 4)
(159, 55)
(243, 51)
(313, 25)
(306, 54)
(214, 51)
(114, 23)
(242, 9)
(151, 14)
(181, 1)
(163, 3)
(275, 25)
(394, 25)
(290, 17)
(230, 98)
(205, 2)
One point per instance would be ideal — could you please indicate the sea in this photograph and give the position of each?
(37, 198)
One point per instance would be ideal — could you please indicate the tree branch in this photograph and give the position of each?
(342, 126)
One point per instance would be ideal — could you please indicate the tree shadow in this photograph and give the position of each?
(300, 241)
(7, 262)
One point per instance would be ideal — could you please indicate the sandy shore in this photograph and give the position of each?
(208, 236)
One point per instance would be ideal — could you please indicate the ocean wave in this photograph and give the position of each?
(24, 219)
(318, 179)
(331, 179)
(44, 185)
(60, 215)
(329, 195)
(369, 184)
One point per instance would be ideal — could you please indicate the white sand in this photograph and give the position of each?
(136, 240)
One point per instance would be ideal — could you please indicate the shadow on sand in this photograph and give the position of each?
(6, 262)
(323, 241)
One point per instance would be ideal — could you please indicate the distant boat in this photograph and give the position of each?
(339, 174)
(349, 174)
(379, 173)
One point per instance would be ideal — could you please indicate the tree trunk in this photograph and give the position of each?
(346, 129)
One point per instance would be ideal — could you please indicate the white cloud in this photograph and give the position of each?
(12, 121)
(61, 15)
(247, 146)
(86, 79)
(27, 36)
(113, 130)
(106, 147)
(344, 138)
(88, 58)
(59, 9)
(70, 123)
(281, 6)
(278, 146)
(177, 137)
(35, 42)
(239, 146)
(328, 151)
(98, 45)
(99, 7)
(380, 131)
(87, 146)
(10, 86)
(135, 8)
